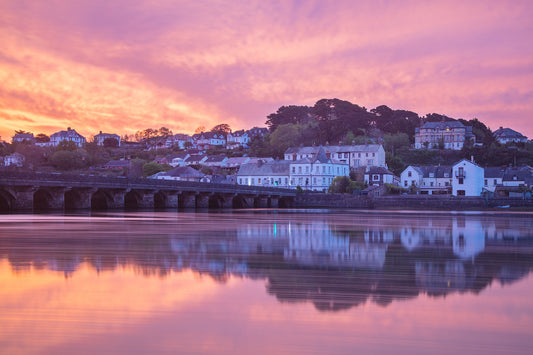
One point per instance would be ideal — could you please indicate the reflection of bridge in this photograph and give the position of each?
(39, 191)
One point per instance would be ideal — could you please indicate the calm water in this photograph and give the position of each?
(266, 282)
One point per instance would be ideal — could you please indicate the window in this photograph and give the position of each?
(259, 181)
(299, 170)
(405, 183)
(409, 174)
(294, 169)
(306, 169)
(461, 181)
(375, 177)
(486, 182)
(252, 181)
(431, 184)
(495, 182)
(240, 181)
(323, 169)
(461, 193)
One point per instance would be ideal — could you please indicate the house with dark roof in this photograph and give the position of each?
(507, 135)
(208, 140)
(429, 180)
(377, 175)
(257, 132)
(101, 137)
(117, 164)
(178, 140)
(316, 172)
(493, 178)
(70, 135)
(15, 159)
(195, 159)
(215, 160)
(448, 134)
(182, 173)
(237, 139)
(355, 156)
(272, 173)
(177, 159)
(23, 137)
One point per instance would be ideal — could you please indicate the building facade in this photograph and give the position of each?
(447, 135)
(70, 135)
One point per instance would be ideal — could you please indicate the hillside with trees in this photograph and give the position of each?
(334, 121)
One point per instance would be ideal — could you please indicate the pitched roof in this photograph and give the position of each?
(443, 125)
(508, 133)
(492, 172)
(366, 148)
(272, 168)
(215, 159)
(185, 172)
(23, 136)
(379, 170)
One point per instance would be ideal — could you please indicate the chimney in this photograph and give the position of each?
(472, 159)
(260, 163)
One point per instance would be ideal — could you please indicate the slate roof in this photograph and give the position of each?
(379, 170)
(492, 172)
(184, 172)
(215, 159)
(22, 136)
(69, 133)
(366, 148)
(507, 133)
(443, 125)
(194, 159)
(272, 168)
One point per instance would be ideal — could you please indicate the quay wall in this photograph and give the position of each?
(315, 200)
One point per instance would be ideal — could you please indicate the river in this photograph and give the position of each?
(266, 281)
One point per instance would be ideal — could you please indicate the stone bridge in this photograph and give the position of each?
(21, 191)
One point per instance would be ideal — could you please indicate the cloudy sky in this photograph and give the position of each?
(125, 65)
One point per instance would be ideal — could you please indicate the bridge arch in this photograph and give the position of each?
(42, 199)
(160, 200)
(131, 200)
(6, 201)
(100, 200)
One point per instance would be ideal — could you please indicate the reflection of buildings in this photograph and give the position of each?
(334, 261)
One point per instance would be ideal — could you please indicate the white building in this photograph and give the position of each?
(101, 137)
(208, 140)
(467, 179)
(493, 178)
(237, 139)
(317, 172)
(23, 137)
(273, 173)
(178, 140)
(70, 135)
(507, 135)
(376, 175)
(15, 159)
(429, 180)
(354, 155)
(451, 134)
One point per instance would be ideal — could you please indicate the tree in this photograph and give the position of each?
(342, 184)
(67, 145)
(110, 142)
(283, 137)
(393, 142)
(288, 115)
(164, 132)
(42, 138)
(20, 131)
(222, 128)
(152, 168)
(68, 160)
(199, 129)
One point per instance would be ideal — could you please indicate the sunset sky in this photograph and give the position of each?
(125, 65)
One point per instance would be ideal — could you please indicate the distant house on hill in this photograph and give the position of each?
(15, 159)
(257, 132)
(208, 140)
(70, 135)
(237, 139)
(448, 134)
(101, 137)
(507, 135)
(178, 140)
(23, 137)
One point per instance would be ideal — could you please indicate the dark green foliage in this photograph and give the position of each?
(288, 115)
(110, 143)
(69, 160)
(152, 168)
(342, 184)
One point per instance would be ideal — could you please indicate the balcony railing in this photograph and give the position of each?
(460, 174)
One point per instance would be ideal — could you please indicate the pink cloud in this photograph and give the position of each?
(182, 64)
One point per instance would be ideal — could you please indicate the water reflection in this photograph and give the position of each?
(334, 260)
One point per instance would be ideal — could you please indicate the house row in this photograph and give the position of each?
(69, 135)
(315, 172)
(466, 178)
(208, 140)
(355, 156)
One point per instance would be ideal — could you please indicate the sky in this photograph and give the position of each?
(126, 65)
